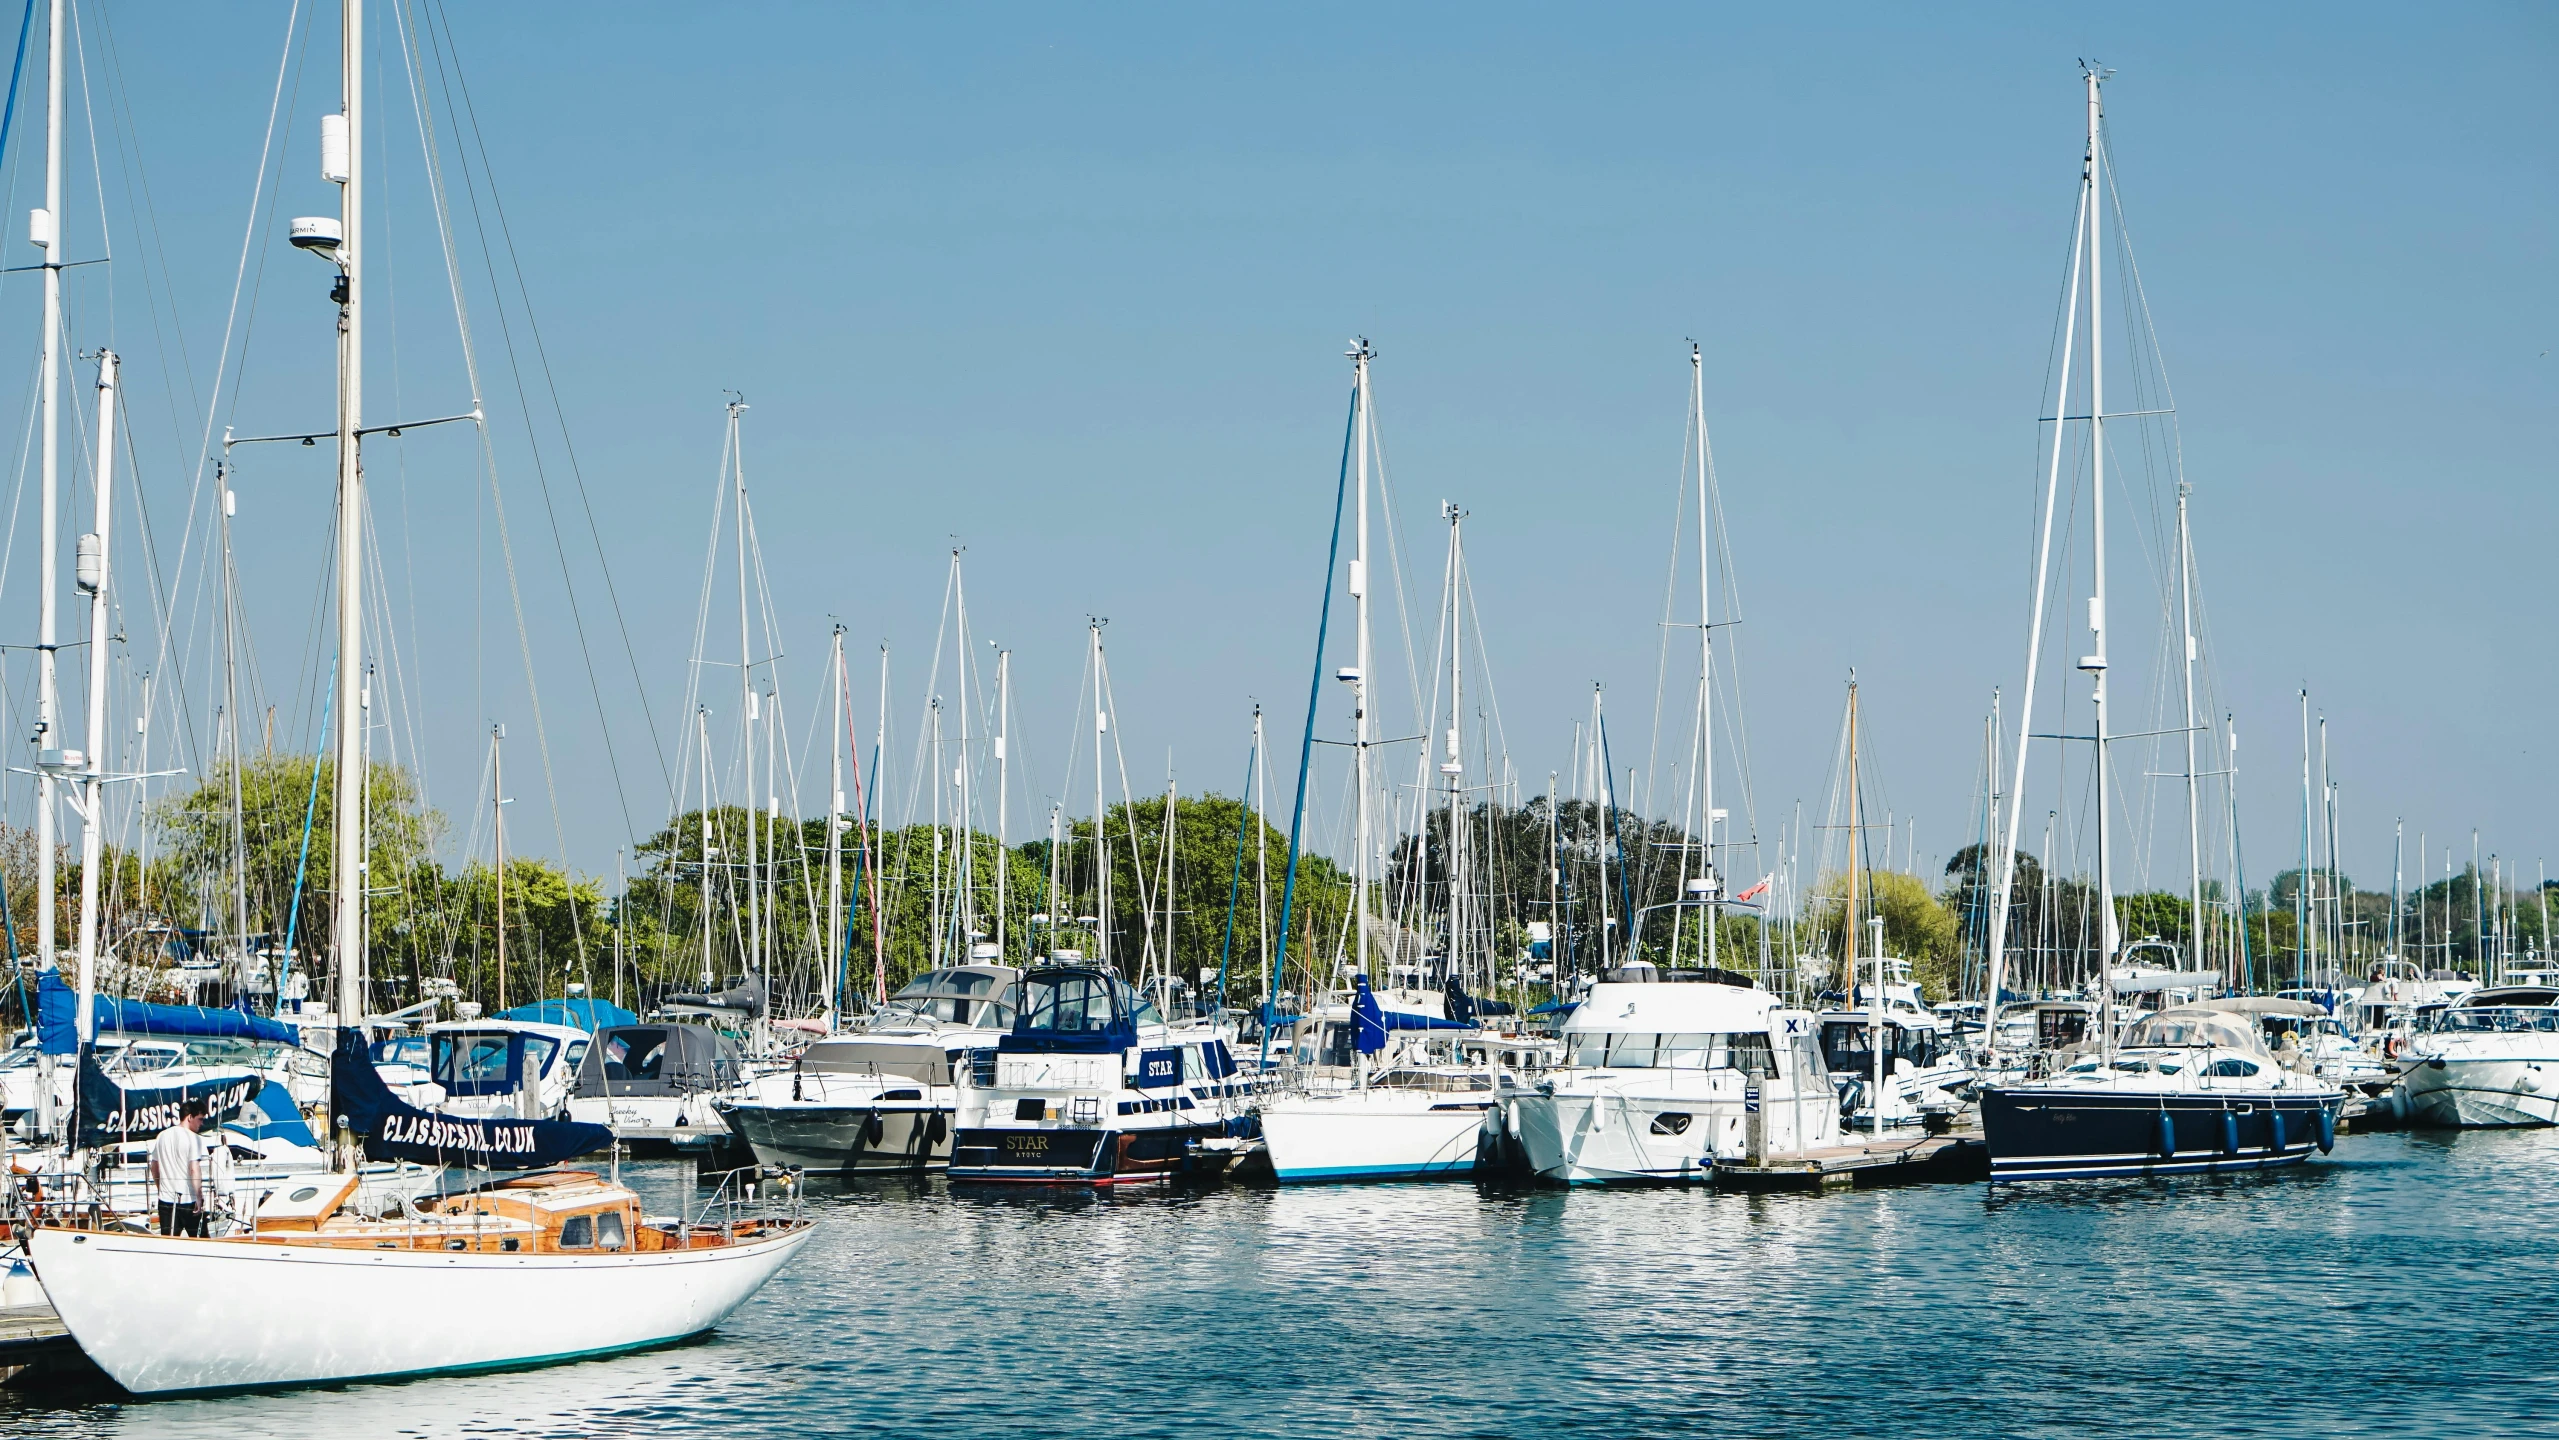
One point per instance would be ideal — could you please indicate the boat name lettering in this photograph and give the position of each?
(441, 1134)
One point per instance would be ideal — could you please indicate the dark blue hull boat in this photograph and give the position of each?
(2064, 1132)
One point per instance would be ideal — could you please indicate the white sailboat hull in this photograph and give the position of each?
(165, 1315)
(1374, 1135)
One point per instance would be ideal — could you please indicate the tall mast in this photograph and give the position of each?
(231, 714)
(874, 810)
(2095, 664)
(1599, 797)
(1705, 662)
(497, 830)
(2035, 626)
(1454, 767)
(748, 710)
(2304, 942)
(1003, 730)
(90, 574)
(1360, 356)
(2398, 846)
(963, 851)
(1101, 827)
(348, 852)
(1261, 851)
(702, 740)
(1850, 923)
(2194, 806)
(835, 823)
(45, 229)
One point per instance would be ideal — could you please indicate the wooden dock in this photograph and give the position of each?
(34, 1343)
(1921, 1159)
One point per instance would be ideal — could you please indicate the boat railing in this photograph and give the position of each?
(748, 1196)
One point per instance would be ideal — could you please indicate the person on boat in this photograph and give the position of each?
(177, 1172)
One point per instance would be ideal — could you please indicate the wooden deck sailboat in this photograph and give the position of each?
(521, 1271)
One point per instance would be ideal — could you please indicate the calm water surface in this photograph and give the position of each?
(2407, 1286)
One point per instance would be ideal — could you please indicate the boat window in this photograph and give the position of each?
(578, 1233)
(2133, 1067)
(924, 984)
(1748, 1052)
(634, 1054)
(577, 1053)
(2233, 1066)
(471, 1060)
(401, 1050)
(136, 1059)
(608, 1231)
(1071, 1003)
(538, 1050)
(972, 984)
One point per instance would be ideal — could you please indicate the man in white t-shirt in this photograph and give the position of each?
(177, 1172)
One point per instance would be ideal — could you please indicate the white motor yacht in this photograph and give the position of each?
(655, 1084)
(490, 1068)
(2190, 1089)
(1667, 1072)
(1093, 1086)
(879, 1097)
(2490, 1059)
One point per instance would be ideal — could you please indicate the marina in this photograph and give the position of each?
(1580, 1312)
(1558, 1026)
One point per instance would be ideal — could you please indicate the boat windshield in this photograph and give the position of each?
(1746, 1051)
(2508, 1021)
(1070, 1003)
(1845, 1047)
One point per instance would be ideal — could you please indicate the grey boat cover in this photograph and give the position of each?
(658, 1059)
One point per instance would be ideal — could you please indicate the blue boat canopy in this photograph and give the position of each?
(587, 1014)
(58, 1023)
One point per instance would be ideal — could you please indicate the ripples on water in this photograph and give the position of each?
(2404, 1287)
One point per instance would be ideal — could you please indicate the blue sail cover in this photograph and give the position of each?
(395, 1130)
(272, 1115)
(586, 1014)
(58, 1019)
(1370, 1020)
(111, 1113)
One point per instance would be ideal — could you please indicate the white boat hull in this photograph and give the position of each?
(1374, 1135)
(164, 1315)
(2484, 1093)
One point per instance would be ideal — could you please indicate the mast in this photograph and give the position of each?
(2194, 806)
(874, 809)
(2398, 847)
(2035, 626)
(1600, 792)
(702, 728)
(231, 728)
(747, 706)
(834, 951)
(1003, 771)
(1360, 356)
(2095, 664)
(347, 872)
(497, 830)
(1849, 921)
(1261, 851)
(2304, 942)
(1454, 767)
(1705, 666)
(90, 574)
(45, 230)
(1101, 826)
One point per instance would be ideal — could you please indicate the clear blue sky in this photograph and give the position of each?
(1073, 286)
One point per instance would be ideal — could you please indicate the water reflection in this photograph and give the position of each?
(2399, 1285)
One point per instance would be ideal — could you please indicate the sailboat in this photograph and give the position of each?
(2193, 1087)
(1424, 1088)
(540, 1267)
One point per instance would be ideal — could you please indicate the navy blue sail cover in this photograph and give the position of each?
(395, 1130)
(111, 1113)
(58, 1011)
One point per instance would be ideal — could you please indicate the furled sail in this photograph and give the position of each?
(111, 1113)
(394, 1130)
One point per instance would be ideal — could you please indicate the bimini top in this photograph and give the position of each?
(1073, 1008)
(658, 1060)
(2260, 1005)
(2193, 1025)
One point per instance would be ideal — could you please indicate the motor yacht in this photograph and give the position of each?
(2190, 1089)
(880, 1096)
(487, 1068)
(1668, 1071)
(1092, 1085)
(1925, 1078)
(2490, 1059)
(655, 1085)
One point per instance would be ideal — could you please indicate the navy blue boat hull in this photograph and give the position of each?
(2064, 1133)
